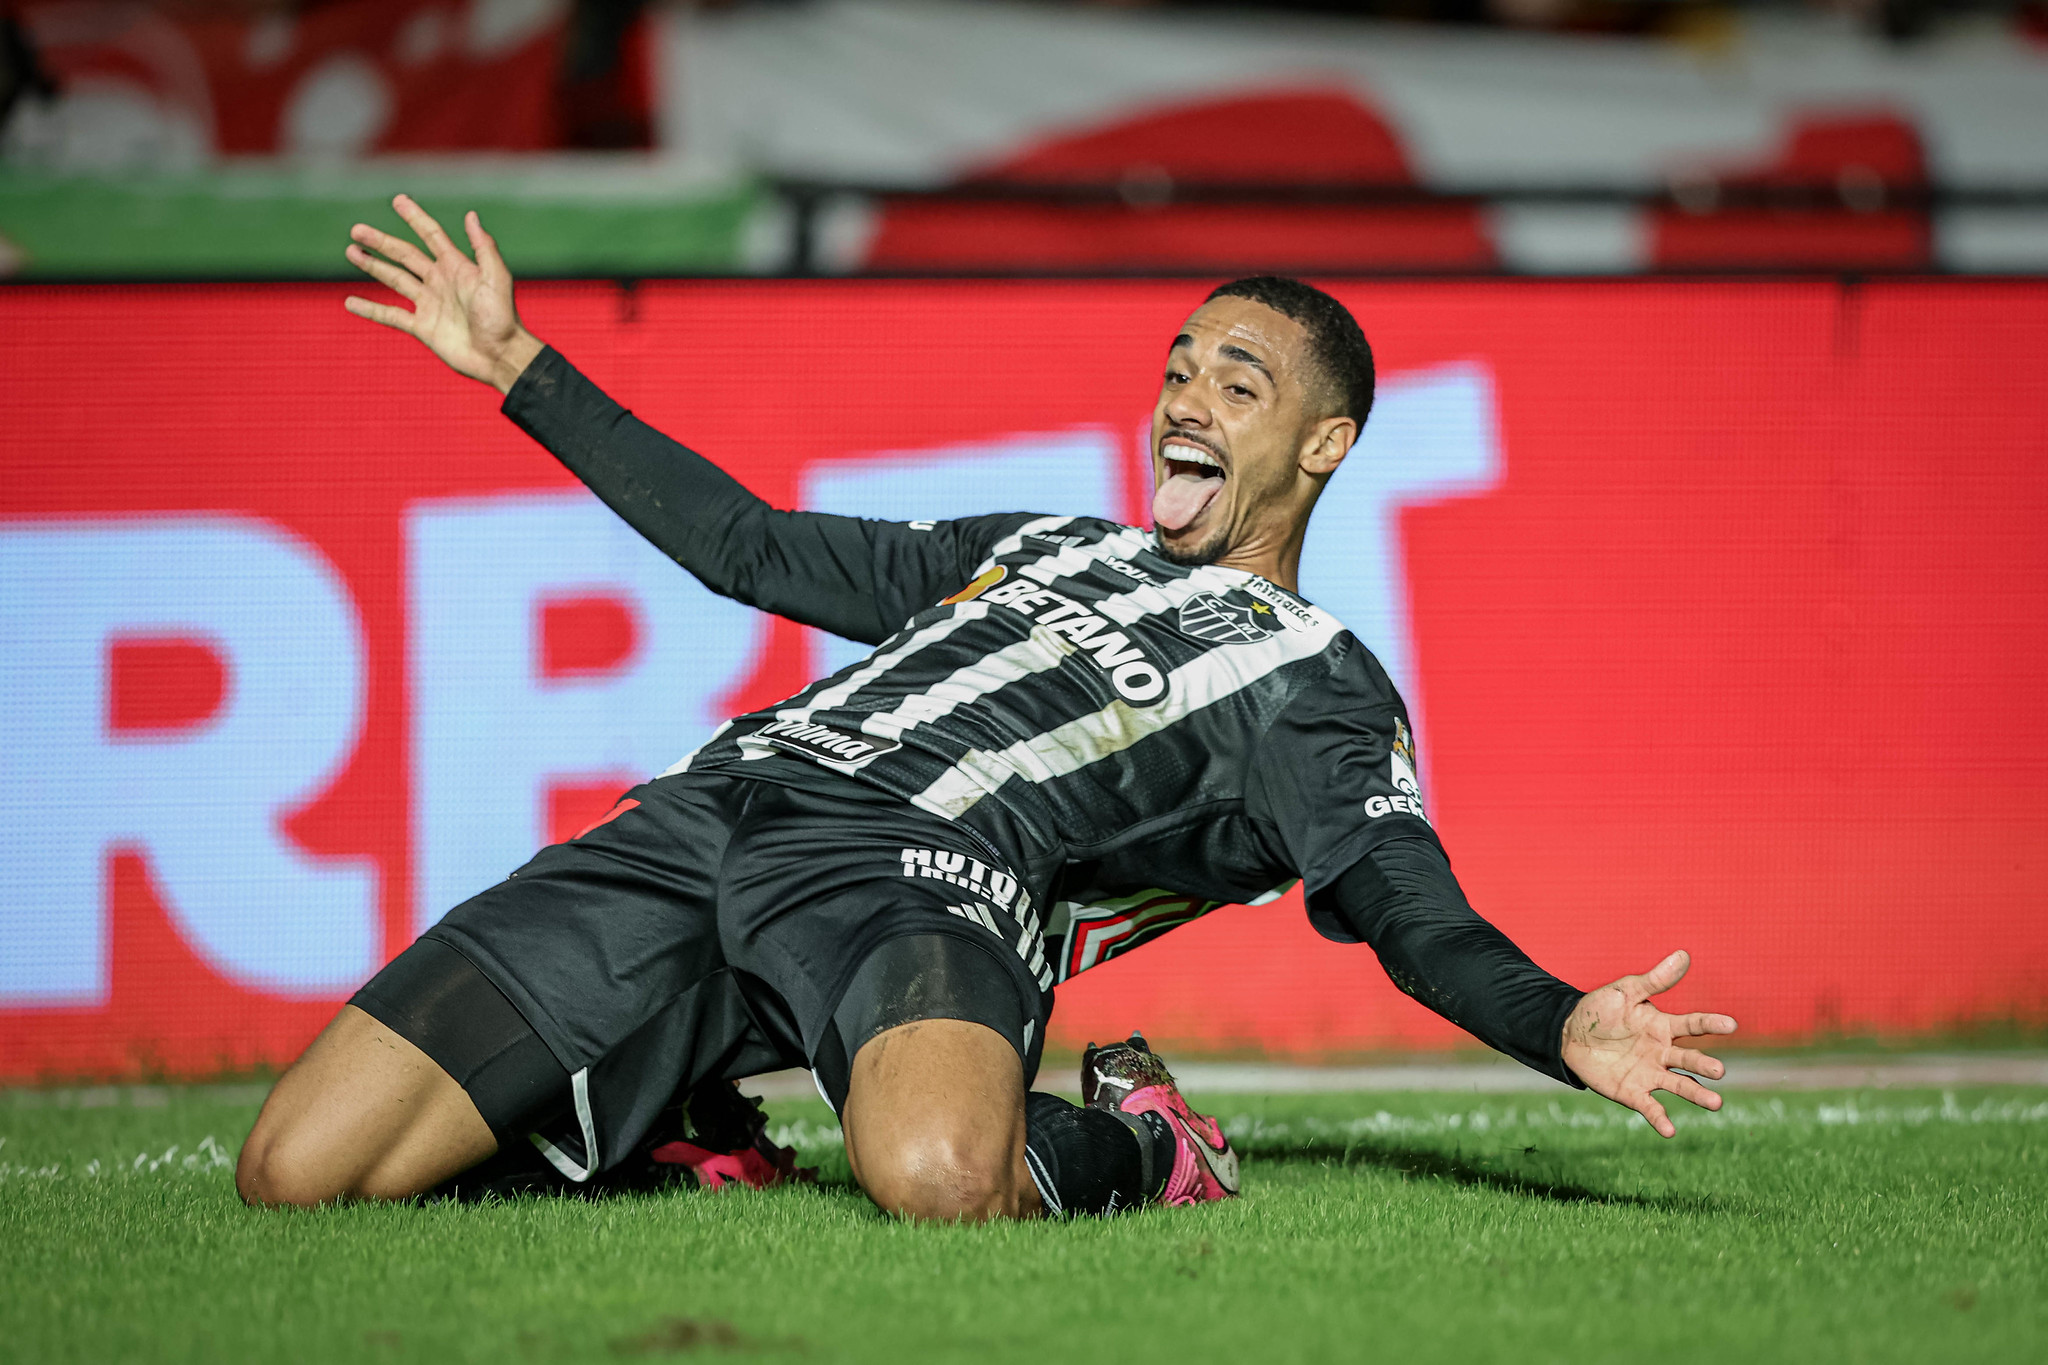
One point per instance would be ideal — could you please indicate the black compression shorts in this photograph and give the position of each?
(715, 926)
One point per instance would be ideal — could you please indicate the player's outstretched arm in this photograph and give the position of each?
(1341, 756)
(1625, 1048)
(853, 577)
(1403, 899)
(461, 308)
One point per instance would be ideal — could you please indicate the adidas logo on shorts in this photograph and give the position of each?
(1030, 944)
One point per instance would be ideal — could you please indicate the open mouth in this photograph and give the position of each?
(1192, 480)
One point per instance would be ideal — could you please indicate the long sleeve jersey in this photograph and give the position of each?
(1135, 741)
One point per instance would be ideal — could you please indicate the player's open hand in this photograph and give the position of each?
(1624, 1047)
(461, 308)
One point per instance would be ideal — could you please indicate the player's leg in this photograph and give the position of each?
(928, 1046)
(937, 1118)
(573, 999)
(934, 1123)
(924, 1056)
(939, 1126)
(414, 1082)
(938, 1121)
(363, 1114)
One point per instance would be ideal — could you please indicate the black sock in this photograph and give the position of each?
(1093, 1160)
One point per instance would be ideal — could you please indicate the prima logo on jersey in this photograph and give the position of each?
(1228, 621)
(834, 748)
(1136, 678)
(969, 874)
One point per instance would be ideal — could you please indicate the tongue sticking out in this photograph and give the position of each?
(1181, 499)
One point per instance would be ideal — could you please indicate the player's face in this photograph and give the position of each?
(1227, 431)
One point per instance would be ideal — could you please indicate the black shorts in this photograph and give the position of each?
(717, 925)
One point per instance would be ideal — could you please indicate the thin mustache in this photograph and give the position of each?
(1193, 440)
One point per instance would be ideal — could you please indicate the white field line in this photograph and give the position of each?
(1248, 1130)
(206, 1157)
(1480, 1076)
(1746, 1075)
(1483, 1077)
(131, 1096)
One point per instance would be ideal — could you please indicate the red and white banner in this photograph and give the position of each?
(146, 87)
(1723, 610)
(923, 93)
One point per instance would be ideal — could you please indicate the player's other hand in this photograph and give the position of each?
(1624, 1047)
(461, 308)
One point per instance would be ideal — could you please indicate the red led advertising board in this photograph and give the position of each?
(1722, 608)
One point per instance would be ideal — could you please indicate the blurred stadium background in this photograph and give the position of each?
(1704, 518)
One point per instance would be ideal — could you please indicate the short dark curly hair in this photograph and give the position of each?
(1335, 341)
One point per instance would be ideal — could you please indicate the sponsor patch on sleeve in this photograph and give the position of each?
(1407, 797)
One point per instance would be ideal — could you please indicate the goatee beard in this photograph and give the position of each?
(1193, 557)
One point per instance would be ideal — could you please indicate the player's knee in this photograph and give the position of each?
(264, 1179)
(946, 1175)
(274, 1170)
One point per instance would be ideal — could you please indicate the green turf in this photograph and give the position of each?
(1882, 1226)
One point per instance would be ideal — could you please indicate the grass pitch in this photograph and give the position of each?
(1889, 1225)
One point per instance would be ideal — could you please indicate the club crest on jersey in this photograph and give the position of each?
(822, 743)
(1236, 619)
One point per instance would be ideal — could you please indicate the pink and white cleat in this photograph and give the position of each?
(1129, 1078)
(723, 1142)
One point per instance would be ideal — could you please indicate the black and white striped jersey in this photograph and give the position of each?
(1133, 742)
(1141, 740)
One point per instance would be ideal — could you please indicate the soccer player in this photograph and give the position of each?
(1071, 736)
